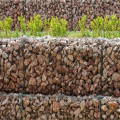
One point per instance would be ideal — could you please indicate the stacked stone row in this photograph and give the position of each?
(60, 65)
(40, 107)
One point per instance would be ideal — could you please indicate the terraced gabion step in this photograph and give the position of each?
(60, 107)
(46, 65)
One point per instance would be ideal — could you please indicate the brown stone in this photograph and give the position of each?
(76, 112)
(104, 108)
(26, 101)
(32, 81)
(90, 68)
(58, 57)
(1, 78)
(116, 76)
(113, 105)
(97, 114)
(44, 77)
(6, 80)
(95, 102)
(41, 59)
(12, 85)
(55, 106)
(56, 80)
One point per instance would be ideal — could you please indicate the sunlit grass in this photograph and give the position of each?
(74, 34)
(16, 34)
(106, 34)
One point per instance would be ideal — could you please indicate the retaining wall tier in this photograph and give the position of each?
(71, 66)
(60, 107)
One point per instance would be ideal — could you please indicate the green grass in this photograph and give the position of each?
(106, 34)
(74, 34)
(15, 34)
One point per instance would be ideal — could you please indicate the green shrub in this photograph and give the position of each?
(82, 25)
(30, 26)
(97, 26)
(7, 25)
(58, 28)
(93, 27)
(47, 24)
(63, 27)
(106, 23)
(114, 22)
(22, 24)
(100, 24)
(1, 26)
(119, 27)
(111, 26)
(35, 26)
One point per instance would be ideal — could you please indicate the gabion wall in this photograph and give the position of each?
(60, 107)
(46, 65)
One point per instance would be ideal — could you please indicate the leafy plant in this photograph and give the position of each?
(47, 24)
(35, 26)
(114, 25)
(111, 25)
(58, 28)
(105, 24)
(119, 27)
(93, 27)
(38, 24)
(1, 26)
(22, 24)
(63, 27)
(82, 25)
(30, 26)
(114, 22)
(97, 26)
(7, 25)
(100, 24)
